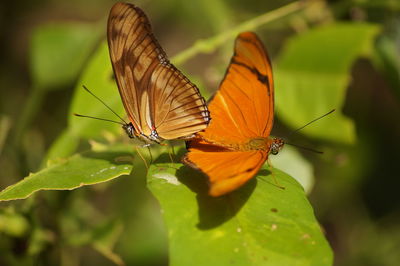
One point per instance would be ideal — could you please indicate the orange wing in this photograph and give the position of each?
(160, 101)
(243, 107)
(227, 170)
(235, 145)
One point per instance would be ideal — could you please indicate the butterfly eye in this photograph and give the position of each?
(274, 149)
(130, 130)
(276, 146)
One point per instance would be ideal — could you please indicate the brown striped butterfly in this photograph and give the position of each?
(161, 103)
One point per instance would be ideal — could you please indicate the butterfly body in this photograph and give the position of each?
(237, 142)
(132, 133)
(268, 144)
(261, 143)
(161, 103)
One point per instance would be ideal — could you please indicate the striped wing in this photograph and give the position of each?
(159, 100)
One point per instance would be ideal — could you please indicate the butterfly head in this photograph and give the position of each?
(276, 145)
(130, 130)
(132, 133)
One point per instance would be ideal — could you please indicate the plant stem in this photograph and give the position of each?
(211, 44)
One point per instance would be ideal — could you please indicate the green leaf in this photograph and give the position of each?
(97, 77)
(57, 55)
(313, 73)
(5, 126)
(257, 225)
(387, 59)
(58, 52)
(292, 162)
(105, 238)
(102, 237)
(12, 223)
(40, 238)
(79, 170)
(65, 145)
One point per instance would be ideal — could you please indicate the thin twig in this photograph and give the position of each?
(211, 44)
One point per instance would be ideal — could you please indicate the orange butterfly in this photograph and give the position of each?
(160, 101)
(237, 143)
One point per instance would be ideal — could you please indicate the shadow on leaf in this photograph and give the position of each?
(214, 211)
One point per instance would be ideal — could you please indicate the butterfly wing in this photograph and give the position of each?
(159, 100)
(178, 109)
(243, 107)
(227, 170)
(242, 111)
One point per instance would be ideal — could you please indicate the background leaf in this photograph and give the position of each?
(98, 78)
(60, 49)
(12, 223)
(291, 162)
(313, 73)
(58, 53)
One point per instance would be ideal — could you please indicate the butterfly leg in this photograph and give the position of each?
(273, 176)
(143, 159)
(151, 155)
(171, 152)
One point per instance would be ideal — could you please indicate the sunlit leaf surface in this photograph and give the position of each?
(87, 168)
(259, 224)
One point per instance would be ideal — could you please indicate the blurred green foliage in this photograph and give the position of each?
(341, 54)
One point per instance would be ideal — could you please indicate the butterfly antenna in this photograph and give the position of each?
(98, 118)
(300, 128)
(100, 100)
(304, 148)
(171, 152)
(316, 119)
